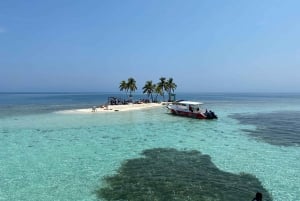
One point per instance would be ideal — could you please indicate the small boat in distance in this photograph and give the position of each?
(190, 109)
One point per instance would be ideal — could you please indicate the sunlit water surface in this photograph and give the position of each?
(48, 155)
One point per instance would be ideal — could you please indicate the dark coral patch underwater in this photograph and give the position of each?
(169, 174)
(277, 128)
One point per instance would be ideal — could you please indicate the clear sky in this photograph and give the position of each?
(205, 45)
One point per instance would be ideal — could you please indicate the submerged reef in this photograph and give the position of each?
(277, 128)
(169, 174)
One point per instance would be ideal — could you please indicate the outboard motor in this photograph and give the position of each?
(211, 115)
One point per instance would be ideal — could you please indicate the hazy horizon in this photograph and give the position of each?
(205, 46)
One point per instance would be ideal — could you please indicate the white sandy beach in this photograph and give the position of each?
(114, 108)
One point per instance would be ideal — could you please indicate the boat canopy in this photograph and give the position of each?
(190, 103)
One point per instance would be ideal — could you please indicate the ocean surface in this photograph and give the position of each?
(46, 154)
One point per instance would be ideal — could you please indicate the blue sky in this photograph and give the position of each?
(205, 45)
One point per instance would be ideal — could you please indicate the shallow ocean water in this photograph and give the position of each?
(47, 155)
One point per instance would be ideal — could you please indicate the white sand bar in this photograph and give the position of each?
(114, 108)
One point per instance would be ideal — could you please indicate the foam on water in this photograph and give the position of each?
(55, 156)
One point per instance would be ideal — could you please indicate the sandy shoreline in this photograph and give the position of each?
(114, 108)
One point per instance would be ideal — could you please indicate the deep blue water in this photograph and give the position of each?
(34, 103)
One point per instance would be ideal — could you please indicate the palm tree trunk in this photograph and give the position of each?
(169, 94)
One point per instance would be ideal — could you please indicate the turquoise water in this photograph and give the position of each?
(45, 155)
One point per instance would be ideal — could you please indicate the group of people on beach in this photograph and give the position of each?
(119, 101)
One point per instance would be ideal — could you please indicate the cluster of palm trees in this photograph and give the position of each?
(130, 86)
(149, 88)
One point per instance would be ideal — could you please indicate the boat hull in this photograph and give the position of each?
(190, 109)
(188, 114)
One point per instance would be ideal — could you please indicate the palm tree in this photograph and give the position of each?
(123, 86)
(170, 87)
(131, 84)
(149, 89)
(158, 91)
(163, 86)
